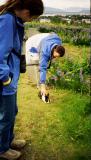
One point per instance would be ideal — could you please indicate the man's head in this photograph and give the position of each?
(58, 51)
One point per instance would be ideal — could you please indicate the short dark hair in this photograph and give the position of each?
(60, 49)
(35, 7)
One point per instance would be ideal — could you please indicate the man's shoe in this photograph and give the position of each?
(10, 155)
(18, 144)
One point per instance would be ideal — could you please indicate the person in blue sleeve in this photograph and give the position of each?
(47, 46)
(13, 14)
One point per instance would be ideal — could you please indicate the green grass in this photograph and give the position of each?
(56, 131)
(37, 23)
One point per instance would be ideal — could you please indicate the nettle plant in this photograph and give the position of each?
(69, 75)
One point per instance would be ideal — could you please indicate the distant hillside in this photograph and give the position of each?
(85, 11)
(49, 10)
(71, 10)
(76, 9)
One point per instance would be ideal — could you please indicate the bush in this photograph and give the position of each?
(69, 35)
(70, 76)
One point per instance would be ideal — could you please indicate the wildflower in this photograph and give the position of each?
(54, 78)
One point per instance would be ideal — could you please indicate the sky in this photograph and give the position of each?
(62, 4)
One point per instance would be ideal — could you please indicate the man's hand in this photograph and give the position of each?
(43, 89)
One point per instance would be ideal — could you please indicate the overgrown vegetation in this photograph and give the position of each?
(70, 35)
(72, 29)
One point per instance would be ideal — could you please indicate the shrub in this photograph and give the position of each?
(70, 76)
(69, 35)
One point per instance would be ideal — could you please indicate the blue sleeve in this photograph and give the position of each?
(6, 44)
(43, 68)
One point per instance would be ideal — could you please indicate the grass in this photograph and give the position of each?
(56, 131)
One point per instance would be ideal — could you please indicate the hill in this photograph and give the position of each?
(71, 10)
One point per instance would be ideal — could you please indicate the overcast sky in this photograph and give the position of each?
(67, 3)
(63, 3)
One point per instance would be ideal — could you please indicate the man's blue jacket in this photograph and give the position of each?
(11, 37)
(46, 47)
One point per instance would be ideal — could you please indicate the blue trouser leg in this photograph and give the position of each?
(8, 110)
